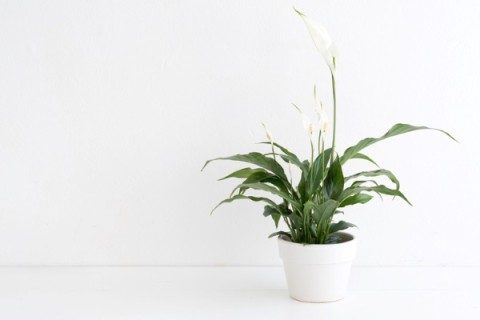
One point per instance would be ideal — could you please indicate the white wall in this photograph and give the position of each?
(108, 109)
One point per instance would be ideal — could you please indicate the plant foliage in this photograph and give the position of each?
(308, 207)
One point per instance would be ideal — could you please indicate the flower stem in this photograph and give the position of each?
(334, 113)
(312, 151)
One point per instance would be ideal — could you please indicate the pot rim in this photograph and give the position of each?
(348, 242)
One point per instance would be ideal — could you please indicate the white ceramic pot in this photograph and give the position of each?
(318, 272)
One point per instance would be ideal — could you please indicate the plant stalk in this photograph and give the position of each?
(334, 113)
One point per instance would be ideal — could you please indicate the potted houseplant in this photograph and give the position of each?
(317, 254)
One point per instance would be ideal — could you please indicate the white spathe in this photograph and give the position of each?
(322, 41)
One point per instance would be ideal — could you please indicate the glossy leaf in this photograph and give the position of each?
(380, 189)
(356, 199)
(341, 225)
(272, 190)
(281, 233)
(377, 173)
(253, 178)
(302, 184)
(242, 173)
(289, 156)
(324, 211)
(264, 177)
(364, 157)
(242, 197)
(362, 182)
(257, 159)
(397, 129)
(334, 182)
(273, 212)
(318, 171)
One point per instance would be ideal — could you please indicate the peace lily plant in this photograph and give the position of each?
(309, 207)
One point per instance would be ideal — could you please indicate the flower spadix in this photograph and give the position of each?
(321, 114)
(268, 133)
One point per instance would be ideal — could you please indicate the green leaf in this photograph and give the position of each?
(313, 230)
(355, 199)
(380, 189)
(307, 207)
(323, 211)
(301, 185)
(281, 233)
(284, 208)
(254, 177)
(289, 156)
(364, 157)
(273, 190)
(294, 217)
(377, 173)
(242, 173)
(341, 225)
(397, 129)
(317, 173)
(264, 177)
(257, 159)
(334, 182)
(242, 197)
(273, 212)
(361, 182)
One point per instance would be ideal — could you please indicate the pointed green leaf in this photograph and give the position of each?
(302, 184)
(273, 212)
(341, 225)
(318, 171)
(361, 182)
(355, 199)
(242, 197)
(289, 156)
(242, 173)
(307, 207)
(264, 177)
(254, 177)
(397, 129)
(334, 182)
(258, 159)
(281, 233)
(377, 173)
(364, 157)
(380, 189)
(324, 211)
(273, 190)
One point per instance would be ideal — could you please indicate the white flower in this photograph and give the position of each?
(307, 124)
(268, 133)
(321, 114)
(311, 128)
(324, 123)
(322, 41)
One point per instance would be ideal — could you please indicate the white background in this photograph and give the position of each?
(108, 110)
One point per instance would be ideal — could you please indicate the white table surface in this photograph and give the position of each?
(231, 293)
